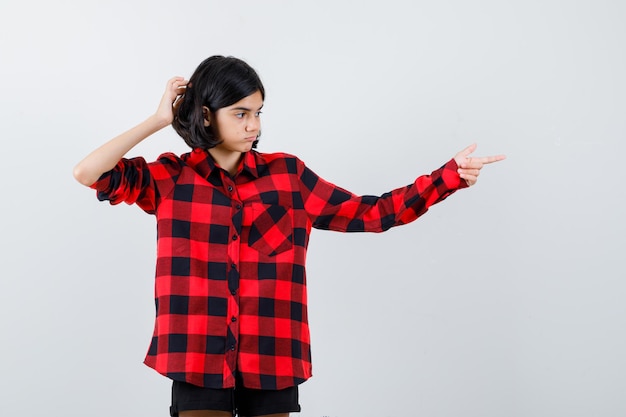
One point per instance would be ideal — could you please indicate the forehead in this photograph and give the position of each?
(252, 102)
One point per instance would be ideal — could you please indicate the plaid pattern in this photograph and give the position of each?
(230, 287)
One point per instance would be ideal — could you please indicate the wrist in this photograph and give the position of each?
(158, 122)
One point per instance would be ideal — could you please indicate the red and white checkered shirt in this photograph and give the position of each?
(230, 273)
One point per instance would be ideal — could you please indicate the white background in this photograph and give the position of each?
(505, 300)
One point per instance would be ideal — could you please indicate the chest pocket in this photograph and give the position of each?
(271, 228)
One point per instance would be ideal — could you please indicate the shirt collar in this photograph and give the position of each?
(249, 163)
(204, 164)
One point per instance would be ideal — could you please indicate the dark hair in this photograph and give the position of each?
(217, 82)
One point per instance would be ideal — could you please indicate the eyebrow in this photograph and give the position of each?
(245, 108)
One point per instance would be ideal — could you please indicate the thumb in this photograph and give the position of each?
(469, 150)
(462, 155)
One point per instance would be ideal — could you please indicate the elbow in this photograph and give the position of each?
(83, 177)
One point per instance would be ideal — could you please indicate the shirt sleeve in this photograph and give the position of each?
(131, 182)
(333, 208)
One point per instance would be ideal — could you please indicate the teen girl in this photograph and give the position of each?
(233, 227)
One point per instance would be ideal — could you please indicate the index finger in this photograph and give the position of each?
(488, 159)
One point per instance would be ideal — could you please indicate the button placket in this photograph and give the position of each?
(233, 275)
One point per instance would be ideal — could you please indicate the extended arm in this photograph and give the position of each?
(107, 156)
(333, 208)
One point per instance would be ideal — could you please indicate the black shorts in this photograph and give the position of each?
(239, 400)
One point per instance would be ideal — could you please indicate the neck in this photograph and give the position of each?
(226, 160)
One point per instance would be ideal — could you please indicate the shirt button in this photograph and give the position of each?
(233, 319)
(233, 292)
(234, 237)
(232, 347)
(238, 206)
(230, 188)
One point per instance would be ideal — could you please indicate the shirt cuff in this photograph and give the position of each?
(451, 177)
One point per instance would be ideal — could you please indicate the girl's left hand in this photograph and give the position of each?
(469, 167)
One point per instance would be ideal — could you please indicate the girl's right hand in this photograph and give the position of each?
(105, 157)
(174, 89)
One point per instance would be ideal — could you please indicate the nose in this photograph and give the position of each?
(254, 124)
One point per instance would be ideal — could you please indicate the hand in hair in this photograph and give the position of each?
(107, 156)
(174, 90)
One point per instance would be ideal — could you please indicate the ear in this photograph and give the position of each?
(206, 113)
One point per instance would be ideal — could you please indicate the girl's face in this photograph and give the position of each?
(238, 126)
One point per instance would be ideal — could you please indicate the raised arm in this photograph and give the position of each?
(108, 155)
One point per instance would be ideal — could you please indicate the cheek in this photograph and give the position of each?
(232, 129)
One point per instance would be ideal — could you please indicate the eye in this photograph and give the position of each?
(257, 114)
(240, 115)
